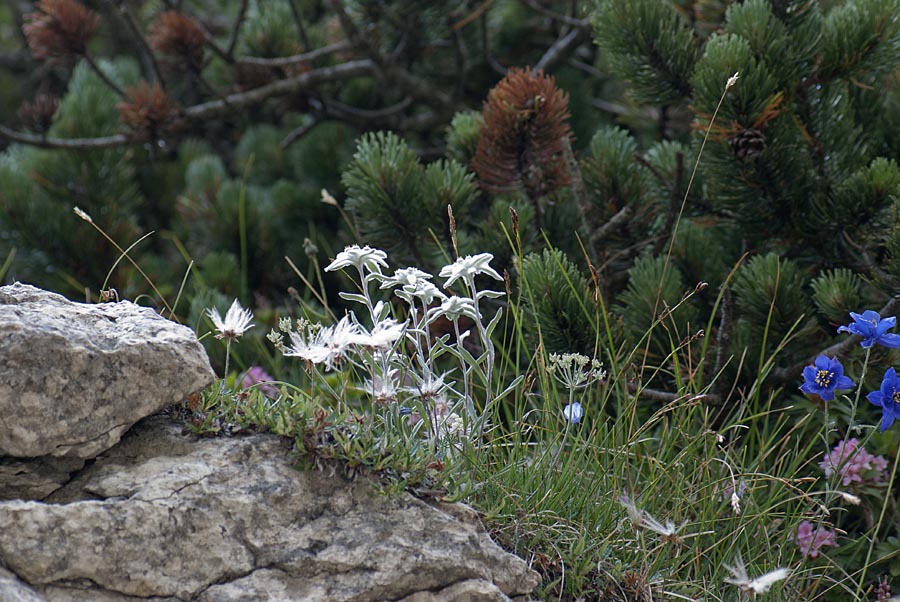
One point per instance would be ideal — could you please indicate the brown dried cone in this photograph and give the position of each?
(148, 112)
(37, 115)
(748, 144)
(60, 28)
(176, 35)
(521, 142)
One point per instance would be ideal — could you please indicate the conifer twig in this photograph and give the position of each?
(565, 19)
(65, 143)
(306, 57)
(147, 56)
(236, 30)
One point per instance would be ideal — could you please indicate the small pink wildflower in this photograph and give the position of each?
(809, 540)
(256, 375)
(854, 464)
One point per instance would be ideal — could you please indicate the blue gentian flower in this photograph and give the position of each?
(824, 378)
(887, 398)
(873, 329)
(573, 412)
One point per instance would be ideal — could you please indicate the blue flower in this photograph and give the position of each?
(887, 398)
(573, 412)
(873, 329)
(823, 378)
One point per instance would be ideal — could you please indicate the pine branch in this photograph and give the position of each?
(147, 56)
(282, 87)
(284, 61)
(65, 143)
(561, 49)
(96, 69)
(567, 20)
(298, 19)
(236, 30)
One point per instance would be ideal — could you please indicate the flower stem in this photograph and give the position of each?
(887, 497)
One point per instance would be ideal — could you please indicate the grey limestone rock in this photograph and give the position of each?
(166, 516)
(75, 376)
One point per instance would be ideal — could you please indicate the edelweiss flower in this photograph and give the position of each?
(364, 257)
(383, 336)
(454, 307)
(467, 268)
(327, 345)
(236, 322)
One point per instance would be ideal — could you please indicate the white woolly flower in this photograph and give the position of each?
(759, 585)
(454, 307)
(326, 345)
(359, 257)
(383, 388)
(236, 322)
(467, 268)
(383, 336)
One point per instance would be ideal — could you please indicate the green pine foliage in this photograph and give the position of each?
(837, 293)
(649, 45)
(657, 293)
(772, 301)
(561, 314)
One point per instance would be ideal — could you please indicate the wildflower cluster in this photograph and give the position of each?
(853, 464)
(574, 371)
(811, 539)
(402, 359)
(827, 374)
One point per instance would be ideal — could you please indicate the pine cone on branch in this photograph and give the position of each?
(176, 35)
(148, 112)
(748, 144)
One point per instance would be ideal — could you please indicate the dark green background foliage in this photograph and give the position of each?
(793, 207)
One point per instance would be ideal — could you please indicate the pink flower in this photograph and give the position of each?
(256, 375)
(854, 464)
(809, 541)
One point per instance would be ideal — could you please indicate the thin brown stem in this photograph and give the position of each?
(306, 57)
(106, 80)
(236, 30)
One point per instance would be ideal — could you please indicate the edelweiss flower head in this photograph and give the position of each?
(327, 345)
(467, 268)
(455, 307)
(359, 257)
(383, 336)
(236, 322)
(873, 329)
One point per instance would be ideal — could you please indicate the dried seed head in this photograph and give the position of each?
(60, 28)
(37, 115)
(148, 112)
(521, 143)
(176, 35)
